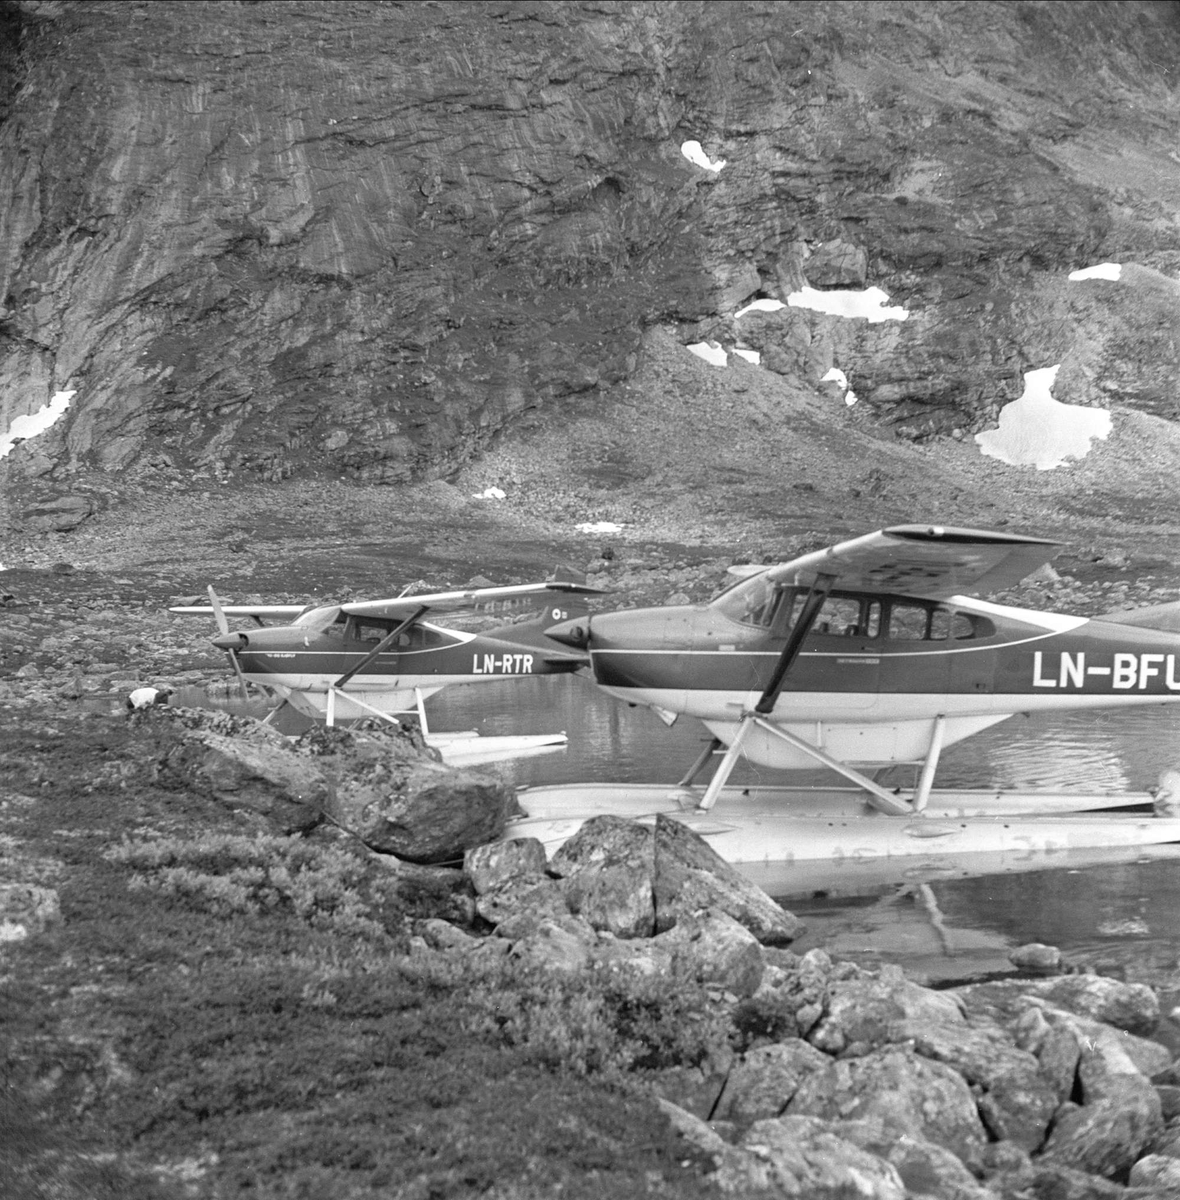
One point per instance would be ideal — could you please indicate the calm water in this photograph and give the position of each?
(1124, 918)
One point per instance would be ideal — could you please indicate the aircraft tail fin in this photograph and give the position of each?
(1164, 617)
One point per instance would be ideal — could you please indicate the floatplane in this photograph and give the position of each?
(861, 657)
(382, 658)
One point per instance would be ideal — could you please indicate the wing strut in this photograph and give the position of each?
(385, 642)
(816, 596)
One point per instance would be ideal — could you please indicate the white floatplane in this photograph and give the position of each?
(863, 656)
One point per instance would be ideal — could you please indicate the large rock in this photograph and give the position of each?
(868, 1011)
(56, 514)
(762, 1083)
(690, 874)
(1130, 1006)
(633, 880)
(925, 1169)
(713, 948)
(1016, 1100)
(495, 863)
(287, 788)
(1106, 1136)
(425, 812)
(911, 1094)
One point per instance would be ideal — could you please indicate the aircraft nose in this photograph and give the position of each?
(231, 641)
(574, 633)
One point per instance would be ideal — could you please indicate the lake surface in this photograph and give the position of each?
(1123, 918)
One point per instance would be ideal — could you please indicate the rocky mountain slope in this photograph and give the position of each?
(361, 239)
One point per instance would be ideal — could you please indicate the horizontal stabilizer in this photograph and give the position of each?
(1164, 617)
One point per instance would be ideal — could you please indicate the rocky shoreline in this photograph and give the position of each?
(785, 1074)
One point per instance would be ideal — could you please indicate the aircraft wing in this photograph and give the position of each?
(922, 560)
(490, 599)
(262, 611)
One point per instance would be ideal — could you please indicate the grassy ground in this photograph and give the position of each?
(235, 1014)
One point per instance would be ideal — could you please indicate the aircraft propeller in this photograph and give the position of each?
(231, 643)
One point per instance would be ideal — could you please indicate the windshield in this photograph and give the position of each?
(750, 602)
(321, 618)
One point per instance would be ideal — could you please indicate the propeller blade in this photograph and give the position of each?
(233, 657)
(219, 616)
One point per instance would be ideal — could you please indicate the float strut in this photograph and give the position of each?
(700, 761)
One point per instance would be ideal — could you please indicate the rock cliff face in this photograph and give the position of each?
(363, 238)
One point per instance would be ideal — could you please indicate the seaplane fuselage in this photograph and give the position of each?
(873, 672)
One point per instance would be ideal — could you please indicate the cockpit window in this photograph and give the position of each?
(326, 619)
(750, 602)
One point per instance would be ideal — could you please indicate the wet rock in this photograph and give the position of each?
(494, 863)
(714, 948)
(911, 1094)
(1036, 957)
(763, 1081)
(26, 909)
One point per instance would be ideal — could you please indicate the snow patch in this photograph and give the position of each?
(835, 375)
(711, 352)
(1112, 271)
(492, 493)
(32, 424)
(759, 306)
(1038, 431)
(598, 527)
(866, 304)
(751, 356)
(696, 155)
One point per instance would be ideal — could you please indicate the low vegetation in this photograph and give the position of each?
(235, 1013)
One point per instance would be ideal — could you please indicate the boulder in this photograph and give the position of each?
(1130, 1006)
(925, 1169)
(494, 863)
(525, 899)
(1056, 1181)
(872, 1012)
(633, 880)
(56, 514)
(1016, 1100)
(763, 1081)
(425, 812)
(1156, 1171)
(690, 875)
(806, 1157)
(442, 935)
(1105, 1137)
(1037, 958)
(559, 946)
(913, 1095)
(287, 788)
(714, 948)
